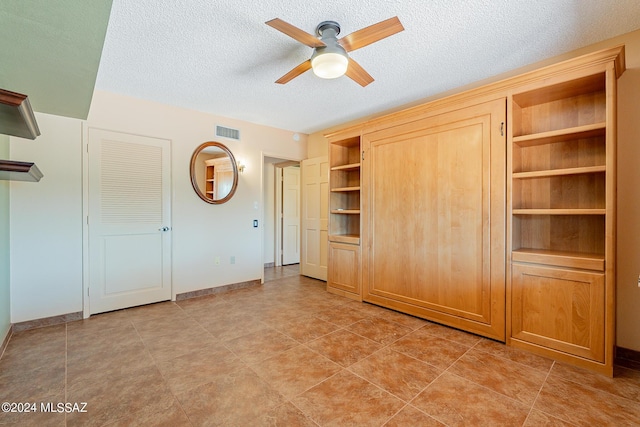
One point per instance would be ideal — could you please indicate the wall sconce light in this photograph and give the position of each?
(241, 166)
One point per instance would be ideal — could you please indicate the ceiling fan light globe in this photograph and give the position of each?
(329, 65)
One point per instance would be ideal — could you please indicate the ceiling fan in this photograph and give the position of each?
(330, 59)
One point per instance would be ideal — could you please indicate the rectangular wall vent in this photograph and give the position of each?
(226, 132)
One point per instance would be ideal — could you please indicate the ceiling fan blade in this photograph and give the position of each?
(371, 34)
(295, 32)
(305, 66)
(358, 74)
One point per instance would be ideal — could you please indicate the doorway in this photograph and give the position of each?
(282, 212)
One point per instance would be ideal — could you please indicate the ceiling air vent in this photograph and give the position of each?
(230, 133)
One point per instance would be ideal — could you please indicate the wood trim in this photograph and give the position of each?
(5, 341)
(492, 90)
(218, 289)
(47, 321)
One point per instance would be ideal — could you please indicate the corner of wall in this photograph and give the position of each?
(5, 298)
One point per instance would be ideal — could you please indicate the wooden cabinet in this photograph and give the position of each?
(562, 216)
(344, 215)
(344, 268)
(491, 210)
(434, 209)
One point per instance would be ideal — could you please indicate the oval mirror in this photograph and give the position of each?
(214, 172)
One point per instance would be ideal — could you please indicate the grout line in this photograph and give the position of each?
(538, 394)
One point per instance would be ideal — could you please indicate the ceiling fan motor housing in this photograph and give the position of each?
(329, 61)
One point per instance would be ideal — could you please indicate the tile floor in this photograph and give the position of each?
(290, 354)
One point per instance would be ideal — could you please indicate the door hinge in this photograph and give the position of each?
(362, 154)
(502, 129)
(88, 291)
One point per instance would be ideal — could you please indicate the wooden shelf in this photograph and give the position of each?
(349, 167)
(346, 211)
(559, 258)
(578, 132)
(559, 211)
(559, 172)
(353, 239)
(12, 170)
(345, 189)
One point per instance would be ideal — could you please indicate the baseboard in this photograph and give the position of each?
(47, 321)
(217, 290)
(269, 264)
(627, 354)
(6, 339)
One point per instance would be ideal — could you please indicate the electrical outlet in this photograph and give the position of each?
(233, 260)
(216, 261)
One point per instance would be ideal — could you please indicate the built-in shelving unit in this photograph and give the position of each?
(344, 215)
(561, 232)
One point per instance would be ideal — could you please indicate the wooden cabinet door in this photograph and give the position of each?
(559, 309)
(344, 268)
(434, 218)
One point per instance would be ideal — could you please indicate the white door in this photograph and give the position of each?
(315, 213)
(129, 220)
(290, 215)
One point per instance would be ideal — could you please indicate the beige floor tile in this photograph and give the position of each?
(154, 311)
(285, 415)
(455, 401)
(191, 370)
(234, 326)
(39, 384)
(36, 348)
(397, 373)
(344, 347)
(540, 419)
(39, 418)
(346, 399)
(451, 334)
(436, 351)
(625, 382)
(410, 416)
(509, 378)
(170, 346)
(405, 320)
(89, 365)
(100, 341)
(168, 325)
(99, 323)
(295, 370)
(379, 330)
(143, 392)
(171, 416)
(235, 399)
(514, 354)
(260, 345)
(305, 329)
(341, 316)
(582, 405)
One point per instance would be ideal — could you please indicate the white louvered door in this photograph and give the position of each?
(129, 220)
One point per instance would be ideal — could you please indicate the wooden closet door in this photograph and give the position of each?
(434, 218)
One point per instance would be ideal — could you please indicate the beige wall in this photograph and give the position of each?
(628, 243)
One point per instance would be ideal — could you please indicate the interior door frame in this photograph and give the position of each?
(86, 309)
(286, 160)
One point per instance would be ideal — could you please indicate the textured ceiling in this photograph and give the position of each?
(218, 56)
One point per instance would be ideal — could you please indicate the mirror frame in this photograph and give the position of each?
(192, 169)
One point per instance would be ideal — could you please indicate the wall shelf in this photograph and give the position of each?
(19, 171)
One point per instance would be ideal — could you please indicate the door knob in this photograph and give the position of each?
(164, 229)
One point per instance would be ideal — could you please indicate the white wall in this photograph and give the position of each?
(46, 217)
(202, 231)
(5, 306)
(46, 223)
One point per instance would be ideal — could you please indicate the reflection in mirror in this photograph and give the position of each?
(214, 172)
